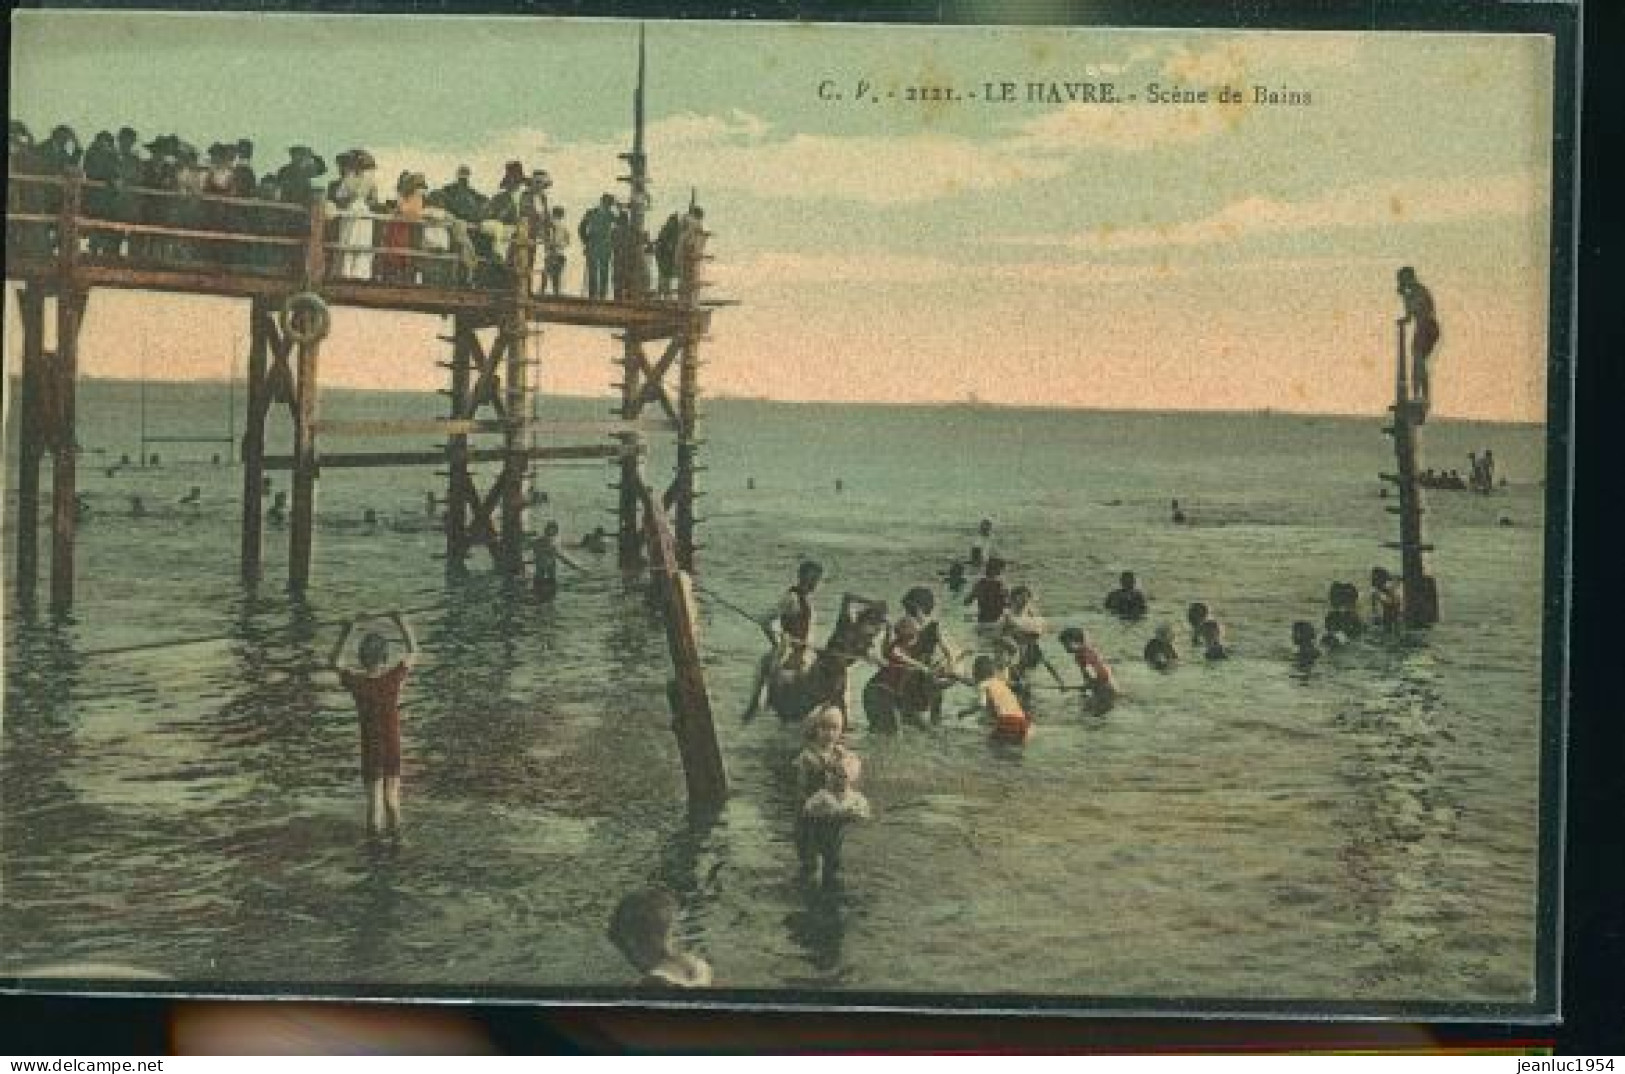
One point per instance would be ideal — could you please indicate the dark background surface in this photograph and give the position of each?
(1593, 973)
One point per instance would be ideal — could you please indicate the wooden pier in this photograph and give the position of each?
(290, 275)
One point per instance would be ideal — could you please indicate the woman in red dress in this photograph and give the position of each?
(375, 684)
(401, 231)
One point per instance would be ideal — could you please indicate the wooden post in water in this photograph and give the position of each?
(253, 446)
(690, 700)
(516, 407)
(630, 555)
(30, 441)
(300, 538)
(62, 431)
(463, 340)
(1421, 592)
(685, 490)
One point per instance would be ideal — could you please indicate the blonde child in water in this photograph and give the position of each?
(643, 929)
(825, 772)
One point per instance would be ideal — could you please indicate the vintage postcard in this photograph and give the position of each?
(903, 515)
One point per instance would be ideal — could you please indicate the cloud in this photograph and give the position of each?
(1382, 205)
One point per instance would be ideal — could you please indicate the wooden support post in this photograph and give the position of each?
(70, 305)
(688, 423)
(253, 447)
(305, 468)
(30, 441)
(1421, 591)
(692, 719)
(457, 480)
(516, 378)
(315, 243)
(630, 554)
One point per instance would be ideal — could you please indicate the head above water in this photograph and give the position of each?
(641, 927)
(1073, 638)
(1020, 597)
(985, 527)
(919, 601)
(809, 574)
(1196, 614)
(821, 721)
(1303, 633)
(373, 650)
(1126, 580)
(1380, 576)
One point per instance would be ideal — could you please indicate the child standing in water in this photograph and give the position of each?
(1100, 689)
(825, 771)
(548, 555)
(642, 930)
(989, 595)
(376, 689)
(998, 701)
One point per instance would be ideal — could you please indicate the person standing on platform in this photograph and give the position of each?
(101, 168)
(666, 255)
(375, 685)
(462, 200)
(1420, 314)
(555, 240)
(597, 234)
(355, 196)
(297, 178)
(691, 248)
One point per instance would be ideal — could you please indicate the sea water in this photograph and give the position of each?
(1365, 830)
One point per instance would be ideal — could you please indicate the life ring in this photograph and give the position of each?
(305, 318)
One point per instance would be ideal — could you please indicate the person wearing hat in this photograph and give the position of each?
(462, 200)
(556, 240)
(220, 181)
(356, 198)
(24, 157)
(243, 182)
(297, 178)
(597, 234)
(401, 231)
(101, 168)
(691, 246)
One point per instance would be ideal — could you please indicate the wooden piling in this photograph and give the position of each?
(1421, 591)
(65, 448)
(692, 720)
(30, 441)
(304, 468)
(457, 472)
(253, 446)
(630, 555)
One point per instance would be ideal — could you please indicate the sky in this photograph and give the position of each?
(1129, 255)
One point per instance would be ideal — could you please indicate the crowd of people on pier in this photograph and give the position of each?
(185, 208)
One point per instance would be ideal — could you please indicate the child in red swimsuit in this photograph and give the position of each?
(376, 687)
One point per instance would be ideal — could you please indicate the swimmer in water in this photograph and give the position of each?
(989, 594)
(1160, 652)
(1126, 601)
(955, 578)
(1304, 650)
(1178, 514)
(1196, 615)
(1211, 636)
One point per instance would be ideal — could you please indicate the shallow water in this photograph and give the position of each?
(1365, 831)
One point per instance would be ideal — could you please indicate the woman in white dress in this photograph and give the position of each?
(355, 197)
